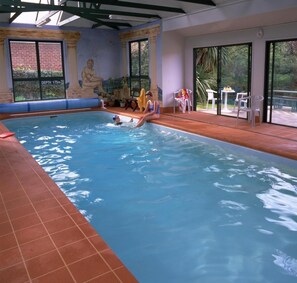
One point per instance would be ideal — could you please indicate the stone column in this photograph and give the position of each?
(153, 65)
(124, 58)
(74, 90)
(5, 93)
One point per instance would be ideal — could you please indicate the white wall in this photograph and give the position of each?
(172, 65)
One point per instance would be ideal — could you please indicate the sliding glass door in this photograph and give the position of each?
(226, 71)
(281, 83)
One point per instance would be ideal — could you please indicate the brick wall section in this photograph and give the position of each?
(23, 55)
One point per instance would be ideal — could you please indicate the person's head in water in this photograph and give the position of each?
(117, 120)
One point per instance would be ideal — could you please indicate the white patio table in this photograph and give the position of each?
(224, 95)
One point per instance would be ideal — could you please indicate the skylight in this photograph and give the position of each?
(44, 17)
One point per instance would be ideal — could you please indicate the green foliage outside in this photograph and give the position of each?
(235, 68)
(29, 88)
(139, 65)
(26, 90)
(285, 65)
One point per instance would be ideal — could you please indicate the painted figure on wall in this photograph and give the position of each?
(89, 78)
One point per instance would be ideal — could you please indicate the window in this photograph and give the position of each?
(37, 70)
(139, 64)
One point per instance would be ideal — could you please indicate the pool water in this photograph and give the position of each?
(174, 207)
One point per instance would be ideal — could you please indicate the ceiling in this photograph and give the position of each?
(108, 14)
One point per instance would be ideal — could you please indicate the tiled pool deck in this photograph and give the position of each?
(44, 238)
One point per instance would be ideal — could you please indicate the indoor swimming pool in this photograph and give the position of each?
(175, 207)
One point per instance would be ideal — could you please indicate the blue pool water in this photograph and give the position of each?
(173, 206)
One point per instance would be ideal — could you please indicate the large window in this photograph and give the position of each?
(226, 71)
(37, 70)
(139, 64)
(281, 83)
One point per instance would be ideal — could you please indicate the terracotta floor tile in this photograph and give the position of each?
(44, 194)
(61, 197)
(46, 204)
(9, 182)
(7, 241)
(2, 208)
(70, 208)
(5, 228)
(59, 224)
(111, 259)
(79, 218)
(98, 243)
(30, 234)
(10, 257)
(18, 202)
(88, 230)
(21, 211)
(14, 274)
(77, 251)
(3, 217)
(44, 264)
(13, 194)
(61, 275)
(67, 236)
(109, 277)
(21, 171)
(33, 187)
(58, 194)
(88, 268)
(35, 190)
(26, 221)
(125, 275)
(52, 213)
(37, 247)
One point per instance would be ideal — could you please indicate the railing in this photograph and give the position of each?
(285, 98)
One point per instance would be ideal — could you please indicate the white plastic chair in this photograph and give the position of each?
(253, 109)
(210, 97)
(241, 96)
(188, 102)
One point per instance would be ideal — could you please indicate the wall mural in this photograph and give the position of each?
(90, 80)
(113, 91)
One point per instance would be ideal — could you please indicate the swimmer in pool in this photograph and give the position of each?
(117, 120)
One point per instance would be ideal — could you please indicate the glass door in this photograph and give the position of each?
(281, 83)
(234, 77)
(224, 71)
(205, 79)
